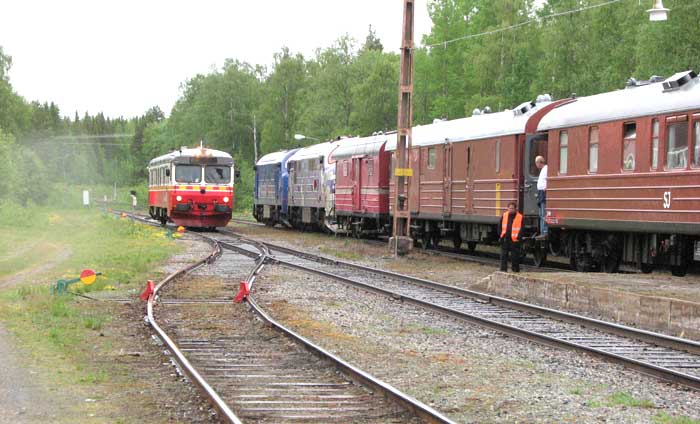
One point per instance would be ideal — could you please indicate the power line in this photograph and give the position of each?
(521, 24)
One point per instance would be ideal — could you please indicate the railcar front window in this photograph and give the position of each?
(677, 146)
(219, 174)
(188, 173)
(696, 143)
(628, 147)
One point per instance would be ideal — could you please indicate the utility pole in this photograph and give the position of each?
(401, 241)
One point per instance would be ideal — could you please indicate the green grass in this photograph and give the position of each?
(61, 333)
(664, 418)
(341, 254)
(622, 399)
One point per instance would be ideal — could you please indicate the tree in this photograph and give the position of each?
(372, 42)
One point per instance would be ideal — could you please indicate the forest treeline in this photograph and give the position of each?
(495, 53)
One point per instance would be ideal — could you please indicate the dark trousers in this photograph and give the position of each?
(508, 245)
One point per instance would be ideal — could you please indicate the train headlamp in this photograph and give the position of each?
(225, 199)
(179, 198)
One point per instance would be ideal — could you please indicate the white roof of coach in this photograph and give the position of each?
(361, 146)
(270, 158)
(632, 102)
(187, 152)
(313, 151)
(477, 127)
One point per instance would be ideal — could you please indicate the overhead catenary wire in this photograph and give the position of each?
(445, 43)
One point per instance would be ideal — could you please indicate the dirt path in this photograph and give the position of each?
(13, 280)
(23, 398)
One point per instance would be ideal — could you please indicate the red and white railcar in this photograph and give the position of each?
(191, 187)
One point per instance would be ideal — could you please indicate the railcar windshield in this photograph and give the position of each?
(217, 174)
(188, 173)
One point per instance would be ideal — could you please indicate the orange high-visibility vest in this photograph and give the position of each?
(517, 225)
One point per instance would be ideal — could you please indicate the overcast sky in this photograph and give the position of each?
(122, 57)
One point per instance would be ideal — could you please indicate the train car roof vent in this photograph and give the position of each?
(487, 109)
(523, 108)
(656, 78)
(438, 120)
(476, 112)
(543, 98)
(678, 80)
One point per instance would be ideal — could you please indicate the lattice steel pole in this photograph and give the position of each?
(401, 241)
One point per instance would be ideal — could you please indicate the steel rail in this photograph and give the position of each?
(418, 408)
(224, 411)
(629, 332)
(192, 374)
(618, 329)
(484, 258)
(425, 412)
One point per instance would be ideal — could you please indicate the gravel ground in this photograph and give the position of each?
(464, 274)
(470, 373)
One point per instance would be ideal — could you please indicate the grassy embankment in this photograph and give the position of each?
(60, 336)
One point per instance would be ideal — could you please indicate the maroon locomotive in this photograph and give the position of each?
(362, 185)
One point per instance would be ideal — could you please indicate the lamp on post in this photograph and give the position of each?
(658, 12)
(299, 137)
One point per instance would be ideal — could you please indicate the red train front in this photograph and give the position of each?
(191, 187)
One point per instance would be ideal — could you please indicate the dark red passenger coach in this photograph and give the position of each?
(624, 175)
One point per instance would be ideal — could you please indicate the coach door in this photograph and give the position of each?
(468, 186)
(447, 181)
(356, 183)
(535, 145)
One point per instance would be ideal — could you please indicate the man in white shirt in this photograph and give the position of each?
(542, 195)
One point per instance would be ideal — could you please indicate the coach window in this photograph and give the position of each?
(431, 158)
(696, 143)
(217, 174)
(563, 151)
(345, 168)
(188, 173)
(677, 143)
(593, 150)
(498, 155)
(370, 167)
(628, 144)
(655, 144)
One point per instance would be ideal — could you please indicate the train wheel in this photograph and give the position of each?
(435, 239)
(679, 270)
(425, 240)
(457, 241)
(646, 268)
(540, 256)
(270, 223)
(471, 246)
(611, 264)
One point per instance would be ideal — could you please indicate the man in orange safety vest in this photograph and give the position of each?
(510, 237)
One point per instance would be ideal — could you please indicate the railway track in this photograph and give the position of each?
(258, 370)
(464, 255)
(668, 358)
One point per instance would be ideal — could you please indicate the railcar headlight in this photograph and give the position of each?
(225, 199)
(179, 198)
